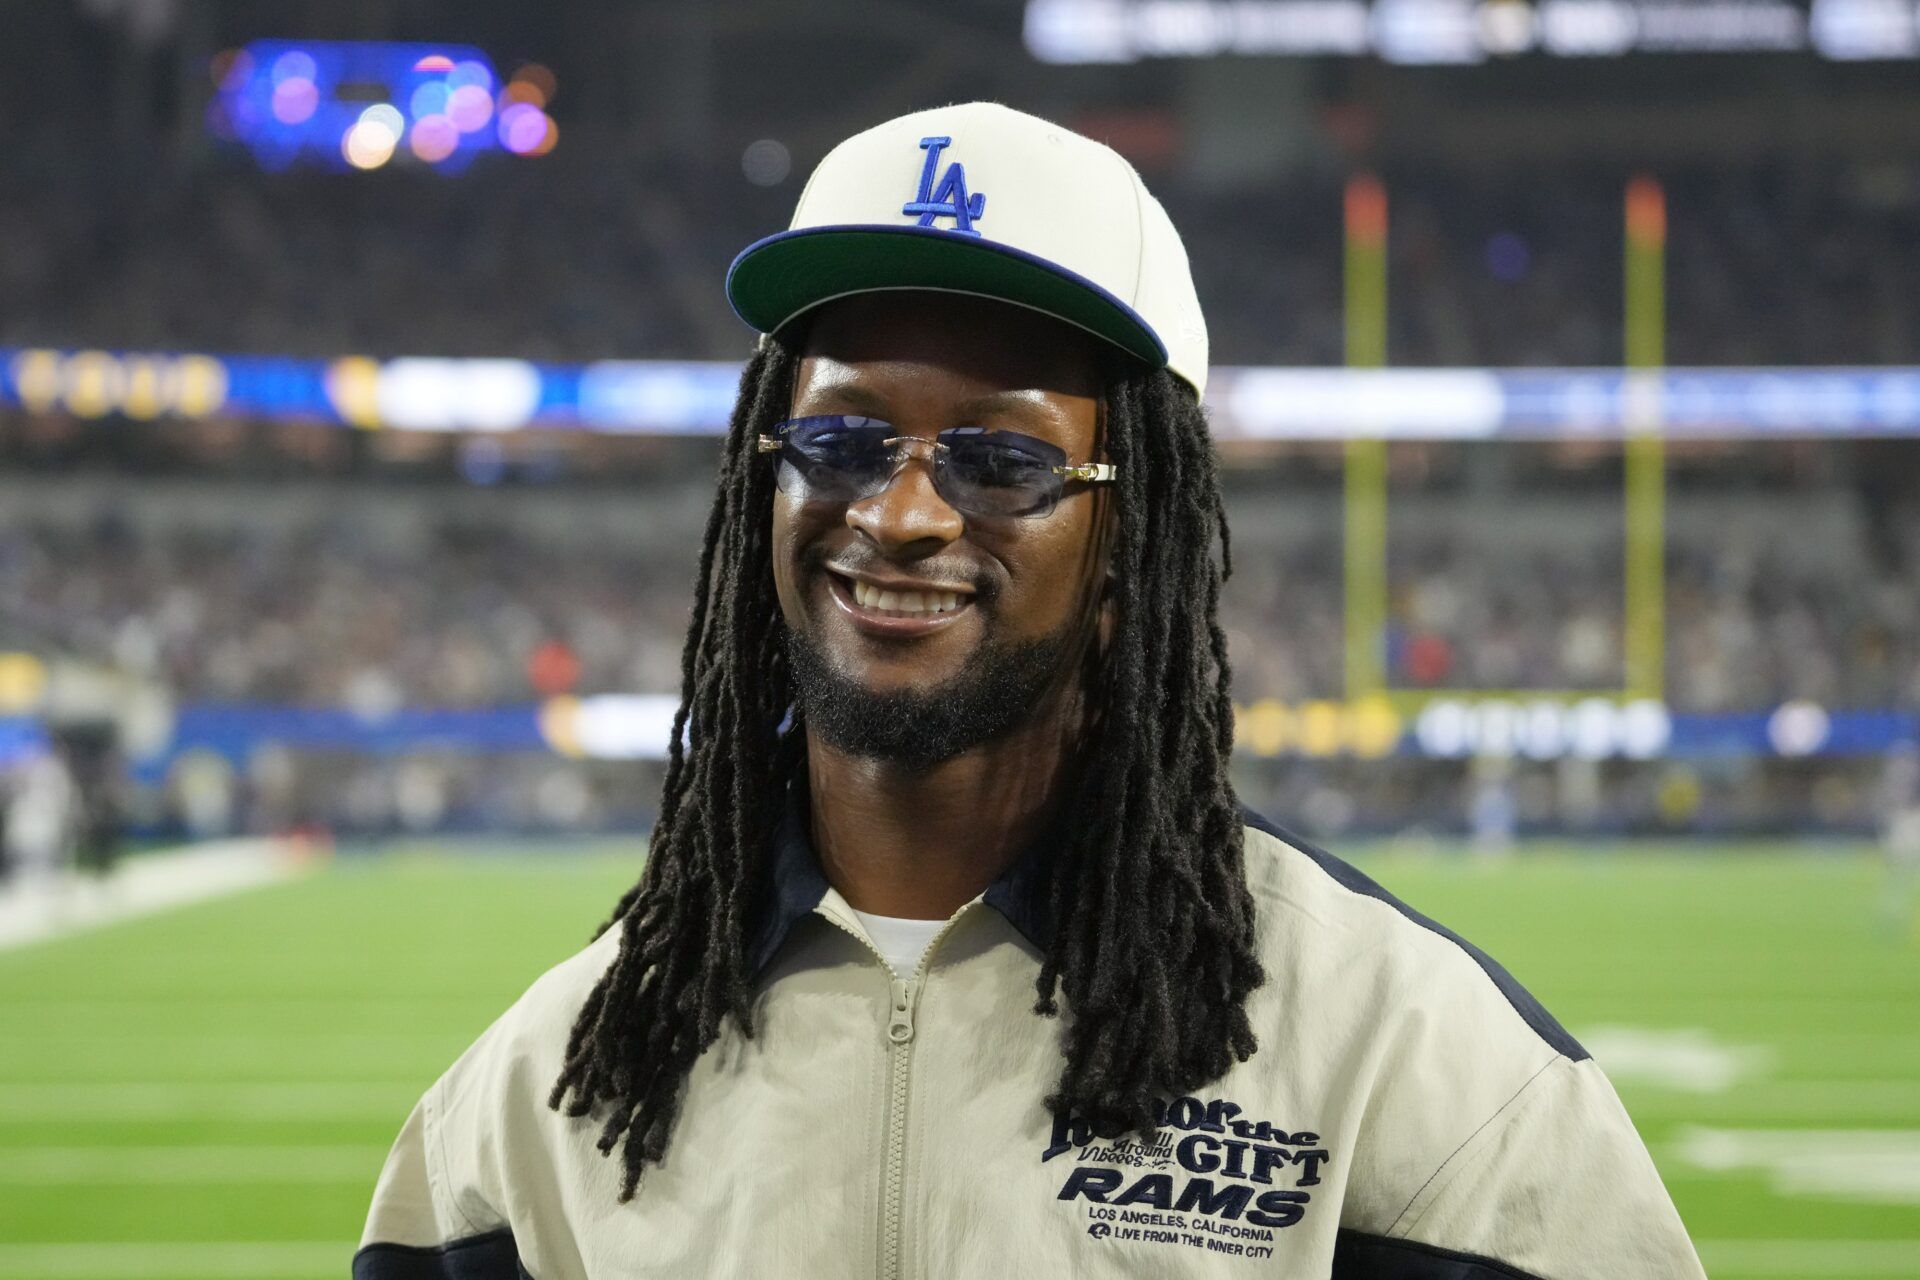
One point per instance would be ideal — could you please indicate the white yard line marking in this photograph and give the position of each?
(1785, 1100)
(1683, 1058)
(174, 1260)
(126, 1166)
(228, 1044)
(142, 885)
(117, 1103)
(1872, 1166)
(1803, 1258)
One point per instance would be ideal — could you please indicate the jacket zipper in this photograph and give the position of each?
(900, 1038)
(903, 997)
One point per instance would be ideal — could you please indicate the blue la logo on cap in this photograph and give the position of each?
(950, 199)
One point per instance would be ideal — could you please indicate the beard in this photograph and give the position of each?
(1003, 687)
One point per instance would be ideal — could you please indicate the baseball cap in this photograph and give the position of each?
(982, 199)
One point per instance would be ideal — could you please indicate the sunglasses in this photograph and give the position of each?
(840, 458)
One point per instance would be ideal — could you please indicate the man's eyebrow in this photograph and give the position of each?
(856, 397)
(1020, 403)
(853, 396)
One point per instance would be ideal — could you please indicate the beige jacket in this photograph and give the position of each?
(1411, 1112)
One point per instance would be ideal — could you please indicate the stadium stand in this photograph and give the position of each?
(381, 597)
(374, 598)
(588, 256)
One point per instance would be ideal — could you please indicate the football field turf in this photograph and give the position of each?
(209, 1092)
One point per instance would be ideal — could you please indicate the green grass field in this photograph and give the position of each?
(209, 1092)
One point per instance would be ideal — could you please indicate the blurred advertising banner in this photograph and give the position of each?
(668, 397)
(640, 726)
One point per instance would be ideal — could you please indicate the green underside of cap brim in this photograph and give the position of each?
(786, 275)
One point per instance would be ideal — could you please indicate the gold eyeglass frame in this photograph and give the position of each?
(1090, 472)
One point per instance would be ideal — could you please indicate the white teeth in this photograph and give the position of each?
(870, 597)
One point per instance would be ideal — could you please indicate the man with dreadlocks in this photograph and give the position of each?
(954, 954)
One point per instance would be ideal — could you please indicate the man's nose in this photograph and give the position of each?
(908, 519)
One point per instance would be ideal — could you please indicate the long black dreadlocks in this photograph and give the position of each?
(1153, 952)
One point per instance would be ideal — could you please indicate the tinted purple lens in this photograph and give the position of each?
(843, 458)
(835, 458)
(1000, 473)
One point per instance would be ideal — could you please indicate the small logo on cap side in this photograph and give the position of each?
(950, 198)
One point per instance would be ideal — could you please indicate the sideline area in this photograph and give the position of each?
(41, 908)
(209, 1093)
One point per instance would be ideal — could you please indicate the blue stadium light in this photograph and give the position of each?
(22, 738)
(363, 104)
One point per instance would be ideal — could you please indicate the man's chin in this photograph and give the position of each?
(872, 677)
(914, 722)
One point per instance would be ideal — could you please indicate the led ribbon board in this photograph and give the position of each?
(1437, 32)
(695, 397)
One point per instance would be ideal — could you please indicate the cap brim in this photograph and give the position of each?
(775, 279)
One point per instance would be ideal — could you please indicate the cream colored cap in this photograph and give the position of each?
(982, 199)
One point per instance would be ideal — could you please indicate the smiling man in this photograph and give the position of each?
(954, 954)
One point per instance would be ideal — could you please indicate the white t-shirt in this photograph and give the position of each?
(902, 942)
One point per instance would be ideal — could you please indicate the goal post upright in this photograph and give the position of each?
(1644, 449)
(1365, 472)
(1364, 546)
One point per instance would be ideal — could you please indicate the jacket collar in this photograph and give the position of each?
(1020, 894)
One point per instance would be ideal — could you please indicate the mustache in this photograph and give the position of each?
(950, 569)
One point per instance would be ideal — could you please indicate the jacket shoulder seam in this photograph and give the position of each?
(1493, 1122)
(439, 1177)
(1542, 1023)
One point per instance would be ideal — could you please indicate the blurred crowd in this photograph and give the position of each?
(588, 254)
(467, 613)
(323, 615)
(1521, 265)
(598, 252)
(125, 226)
(377, 596)
(1746, 627)
(1746, 631)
